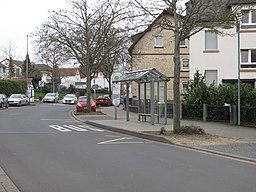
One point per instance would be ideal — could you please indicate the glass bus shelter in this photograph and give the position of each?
(152, 94)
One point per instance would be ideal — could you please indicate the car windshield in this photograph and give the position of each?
(50, 94)
(15, 96)
(70, 96)
(83, 99)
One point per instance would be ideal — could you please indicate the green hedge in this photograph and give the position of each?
(9, 87)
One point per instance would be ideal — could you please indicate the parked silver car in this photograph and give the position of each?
(3, 101)
(69, 99)
(18, 99)
(51, 98)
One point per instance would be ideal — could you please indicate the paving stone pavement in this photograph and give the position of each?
(240, 149)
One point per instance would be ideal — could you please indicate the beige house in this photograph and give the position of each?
(154, 48)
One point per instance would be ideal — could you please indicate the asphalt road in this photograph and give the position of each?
(43, 150)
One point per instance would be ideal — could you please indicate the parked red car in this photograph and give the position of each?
(103, 101)
(82, 104)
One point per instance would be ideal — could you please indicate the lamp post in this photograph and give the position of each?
(27, 83)
(27, 63)
(238, 71)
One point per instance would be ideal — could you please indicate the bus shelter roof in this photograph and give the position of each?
(142, 76)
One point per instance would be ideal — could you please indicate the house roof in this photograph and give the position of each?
(41, 67)
(68, 71)
(142, 76)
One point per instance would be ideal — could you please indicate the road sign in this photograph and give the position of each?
(116, 94)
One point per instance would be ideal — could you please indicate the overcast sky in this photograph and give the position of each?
(19, 18)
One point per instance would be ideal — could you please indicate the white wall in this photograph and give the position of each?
(226, 60)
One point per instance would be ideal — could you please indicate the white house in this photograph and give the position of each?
(72, 76)
(17, 65)
(216, 56)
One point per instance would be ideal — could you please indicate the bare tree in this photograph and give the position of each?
(53, 58)
(187, 21)
(85, 34)
(9, 53)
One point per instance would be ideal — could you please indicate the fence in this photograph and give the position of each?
(212, 113)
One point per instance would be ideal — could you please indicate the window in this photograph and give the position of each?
(211, 40)
(249, 16)
(248, 56)
(17, 73)
(159, 41)
(211, 77)
(183, 43)
(185, 63)
(185, 87)
(244, 56)
(245, 16)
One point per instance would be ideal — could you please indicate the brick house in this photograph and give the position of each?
(154, 48)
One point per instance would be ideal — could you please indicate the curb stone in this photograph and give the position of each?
(6, 185)
(132, 133)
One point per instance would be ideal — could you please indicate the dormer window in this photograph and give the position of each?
(159, 41)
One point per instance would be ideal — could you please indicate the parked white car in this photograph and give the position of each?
(18, 99)
(3, 101)
(69, 99)
(51, 98)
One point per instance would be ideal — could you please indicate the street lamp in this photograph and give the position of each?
(238, 71)
(27, 63)
(26, 75)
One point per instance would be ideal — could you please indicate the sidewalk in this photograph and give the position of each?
(246, 148)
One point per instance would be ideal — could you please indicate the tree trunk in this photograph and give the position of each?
(176, 81)
(109, 87)
(88, 90)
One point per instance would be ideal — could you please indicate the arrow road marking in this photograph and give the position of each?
(113, 140)
(120, 141)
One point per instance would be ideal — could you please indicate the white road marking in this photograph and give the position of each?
(74, 128)
(92, 129)
(80, 128)
(59, 128)
(121, 141)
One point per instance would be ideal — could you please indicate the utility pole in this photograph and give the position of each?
(26, 76)
(238, 68)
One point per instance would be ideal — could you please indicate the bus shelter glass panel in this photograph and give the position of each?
(161, 103)
(144, 98)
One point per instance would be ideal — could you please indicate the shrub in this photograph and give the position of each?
(189, 130)
(9, 87)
